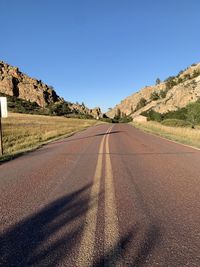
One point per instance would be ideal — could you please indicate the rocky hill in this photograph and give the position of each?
(174, 93)
(18, 85)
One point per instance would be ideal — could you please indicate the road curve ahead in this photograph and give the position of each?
(109, 196)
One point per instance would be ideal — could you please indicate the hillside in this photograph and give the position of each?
(29, 95)
(174, 93)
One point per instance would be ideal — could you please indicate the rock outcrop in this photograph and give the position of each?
(175, 92)
(15, 83)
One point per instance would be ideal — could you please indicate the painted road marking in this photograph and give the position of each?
(112, 249)
(86, 251)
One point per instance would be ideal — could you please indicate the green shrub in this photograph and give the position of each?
(125, 119)
(193, 113)
(187, 77)
(163, 93)
(59, 109)
(152, 115)
(158, 81)
(142, 103)
(121, 117)
(195, 74)
(154, 96)
(180, 114)
(180, 80)
(170, 82)
(182, 117)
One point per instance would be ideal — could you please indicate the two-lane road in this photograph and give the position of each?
(109, 196)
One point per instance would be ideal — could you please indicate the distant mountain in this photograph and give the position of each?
(170, 95)
(30, 95)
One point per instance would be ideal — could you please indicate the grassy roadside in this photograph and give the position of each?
(182, 135)
(22, 132)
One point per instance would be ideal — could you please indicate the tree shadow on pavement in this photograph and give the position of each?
(129, 251)
(43, 238)
(72, 139)
(108, 133)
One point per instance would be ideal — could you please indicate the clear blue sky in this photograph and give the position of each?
(99, 51)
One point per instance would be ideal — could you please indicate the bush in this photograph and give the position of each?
(193, 113)
(182, 117)
(158, 81)
(152, 115)
(59, 109)
(154, 96)
(176, 123)
(163, 93)
(180, 114)
(170, 82)
(121, 117)
(195, 74)
(186, 77)
(142, 103)
(180, 80)
(126, 119)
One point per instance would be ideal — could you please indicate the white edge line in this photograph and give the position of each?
(165, 138)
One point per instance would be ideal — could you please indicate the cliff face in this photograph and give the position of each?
(176, 92)
(15, 83)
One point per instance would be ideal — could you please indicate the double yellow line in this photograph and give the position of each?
(111, 231)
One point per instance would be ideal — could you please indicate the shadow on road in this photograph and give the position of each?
(49, 236)
(72, 139)
(34, 241)
(133, 252)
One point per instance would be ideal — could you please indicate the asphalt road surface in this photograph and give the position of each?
(109, 196)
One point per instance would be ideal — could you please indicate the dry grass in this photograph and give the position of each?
(22, 132)
(187, 136)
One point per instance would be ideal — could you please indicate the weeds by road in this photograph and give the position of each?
(184, 135)
(22, 132)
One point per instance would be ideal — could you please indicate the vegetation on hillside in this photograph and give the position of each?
(142, 103)
(172, 81)
(190, 114)
(121, 117)
(18, 105)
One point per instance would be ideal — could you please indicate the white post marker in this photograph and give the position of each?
(3, 107)
(3, 114)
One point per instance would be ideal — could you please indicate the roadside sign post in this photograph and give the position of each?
(3, 114)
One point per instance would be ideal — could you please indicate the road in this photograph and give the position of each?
(108, 196)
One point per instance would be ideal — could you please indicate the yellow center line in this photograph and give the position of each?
(112, 251)
(86, 250)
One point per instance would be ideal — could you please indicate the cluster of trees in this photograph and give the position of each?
(190, 113)
(121, 117)
(171, 81)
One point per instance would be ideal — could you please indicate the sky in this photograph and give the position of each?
(99, 51)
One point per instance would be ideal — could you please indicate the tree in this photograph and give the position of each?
(154, 96)
(142, 103)
(163, 93)
(158, 81)
(193, 113)
(132, 110)
(170, 82)
(118, 114)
